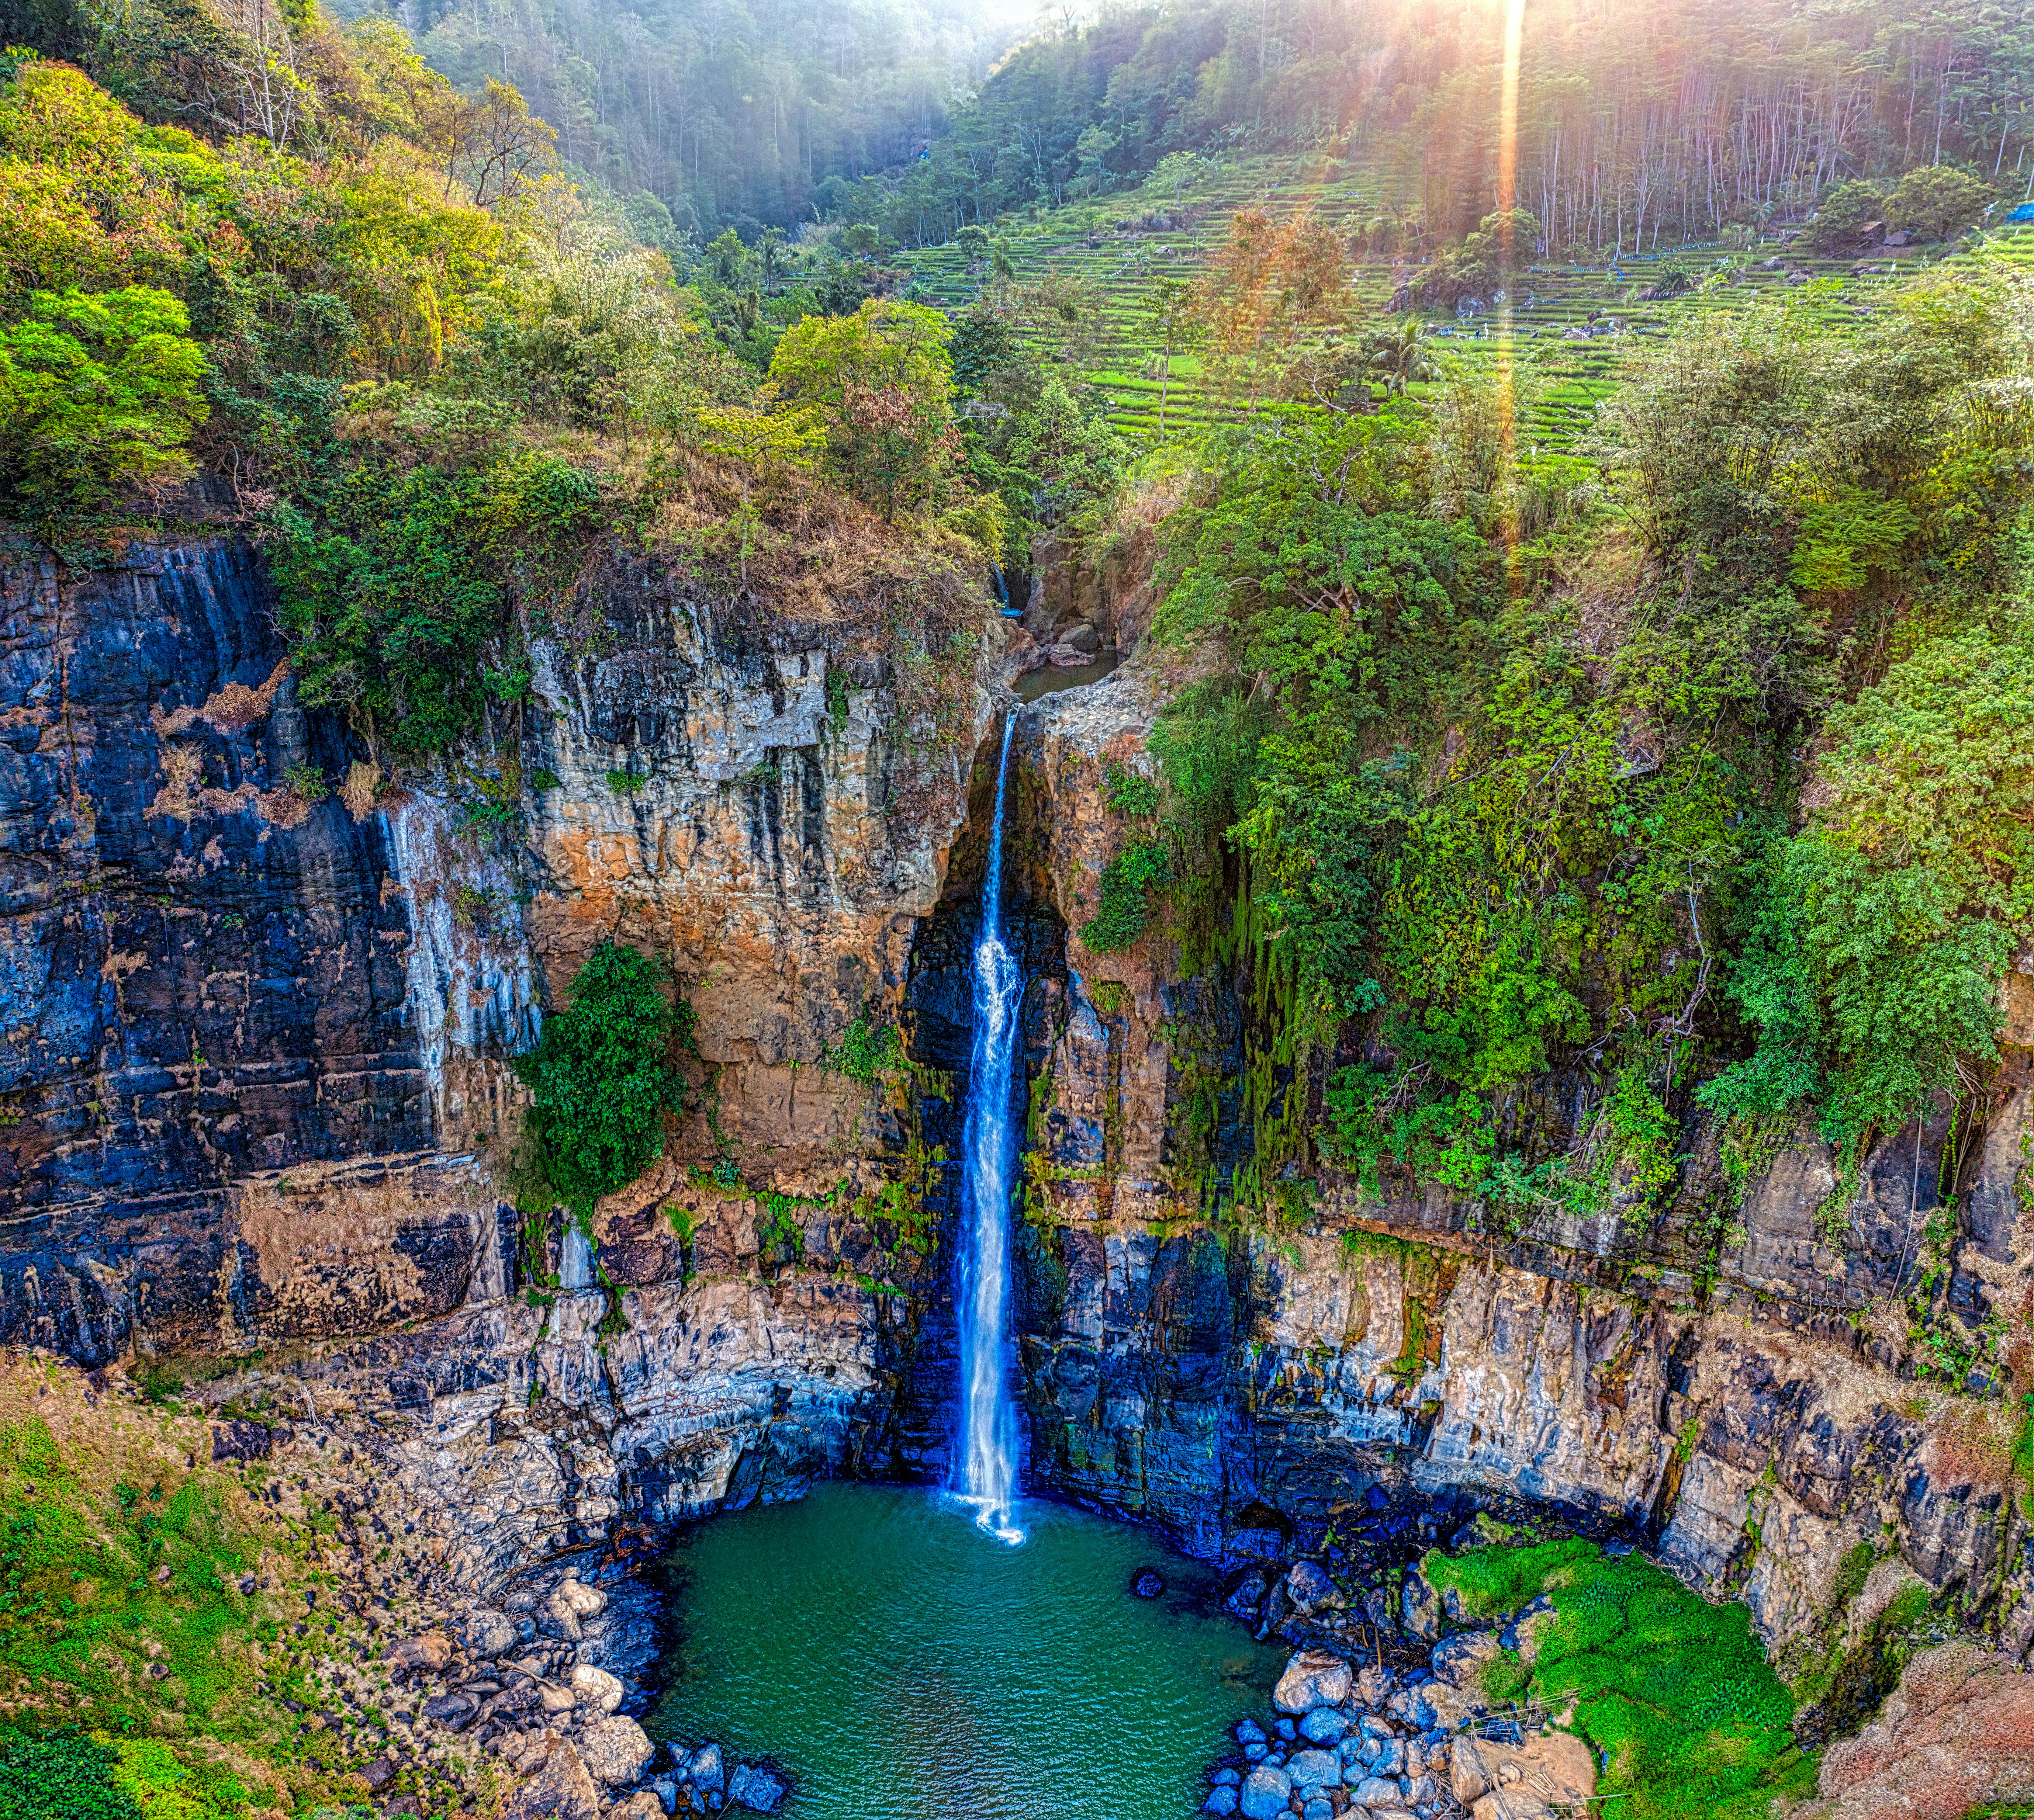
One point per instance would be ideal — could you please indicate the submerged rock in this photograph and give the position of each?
(1147, 1583)
(757, 1787)
(704, 1769)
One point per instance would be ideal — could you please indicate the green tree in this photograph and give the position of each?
(882, 379)
(1935, 201)
(1842, 213)
(1175, 324)
(97, 393)
(600, 1078)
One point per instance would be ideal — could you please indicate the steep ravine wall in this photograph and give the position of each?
(257, 1089)
(1731, 1384)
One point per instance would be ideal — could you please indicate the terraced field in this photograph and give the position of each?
(1564, 335)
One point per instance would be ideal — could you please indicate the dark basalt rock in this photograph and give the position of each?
(207, 978)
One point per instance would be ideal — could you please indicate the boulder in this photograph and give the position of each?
(432, 1650)
(560, 1790)
(1221, 1800)
(1249, 1732)
(1084, 638)
(586, 1601)
(1461, 1661)
(1314, 1770)
(1309, 1588)
(642, 1805)
(1323, 1725)
(559, 1619)
(705, 1769)
(1373, 1789)
(1419, 1608)
(490, 1634)
(453, 1711)
(1312, 1678)
(1435, 1707)
(1267, 1793)
(1247, 1595)
(615, 1750)
(1373, 1685)
(596, 1688)
(1956, 1735)
(757, 1787)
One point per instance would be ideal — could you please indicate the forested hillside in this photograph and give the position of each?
(1636, 128)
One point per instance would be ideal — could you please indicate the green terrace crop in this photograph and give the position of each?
(1561, 328)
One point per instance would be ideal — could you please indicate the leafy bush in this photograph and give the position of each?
(882, 380)
(865, 1050)
(394, 586)
(1127, 881)
(1676, 1691)
(97, 393)
(1842, 212)
(1130, 792)
(1879, 937)
(602, 1078)
(1934, 201)
(65, 1776)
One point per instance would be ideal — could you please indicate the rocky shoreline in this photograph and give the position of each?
(534, 1683)
(1386, 1721)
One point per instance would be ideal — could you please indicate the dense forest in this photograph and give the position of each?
(1636, 127)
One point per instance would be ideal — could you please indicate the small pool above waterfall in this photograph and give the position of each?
(1047, 680)
(903, 1665)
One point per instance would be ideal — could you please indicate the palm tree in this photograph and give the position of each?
(1399, 355)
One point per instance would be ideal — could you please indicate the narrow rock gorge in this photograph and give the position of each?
(259, 1114)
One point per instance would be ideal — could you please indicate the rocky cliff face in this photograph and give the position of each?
(258, 1071)
(1736, 1382)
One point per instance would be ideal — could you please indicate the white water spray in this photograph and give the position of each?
(988, 1459)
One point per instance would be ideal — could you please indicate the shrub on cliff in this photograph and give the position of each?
(602, 1078)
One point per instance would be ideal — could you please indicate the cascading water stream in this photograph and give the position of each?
(987, 1461)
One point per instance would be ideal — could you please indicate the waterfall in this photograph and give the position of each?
(987, 1462)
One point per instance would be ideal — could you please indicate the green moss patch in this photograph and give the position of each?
(1674, 1693)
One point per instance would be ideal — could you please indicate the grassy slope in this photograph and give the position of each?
(1562, 378)
(167, 1605)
